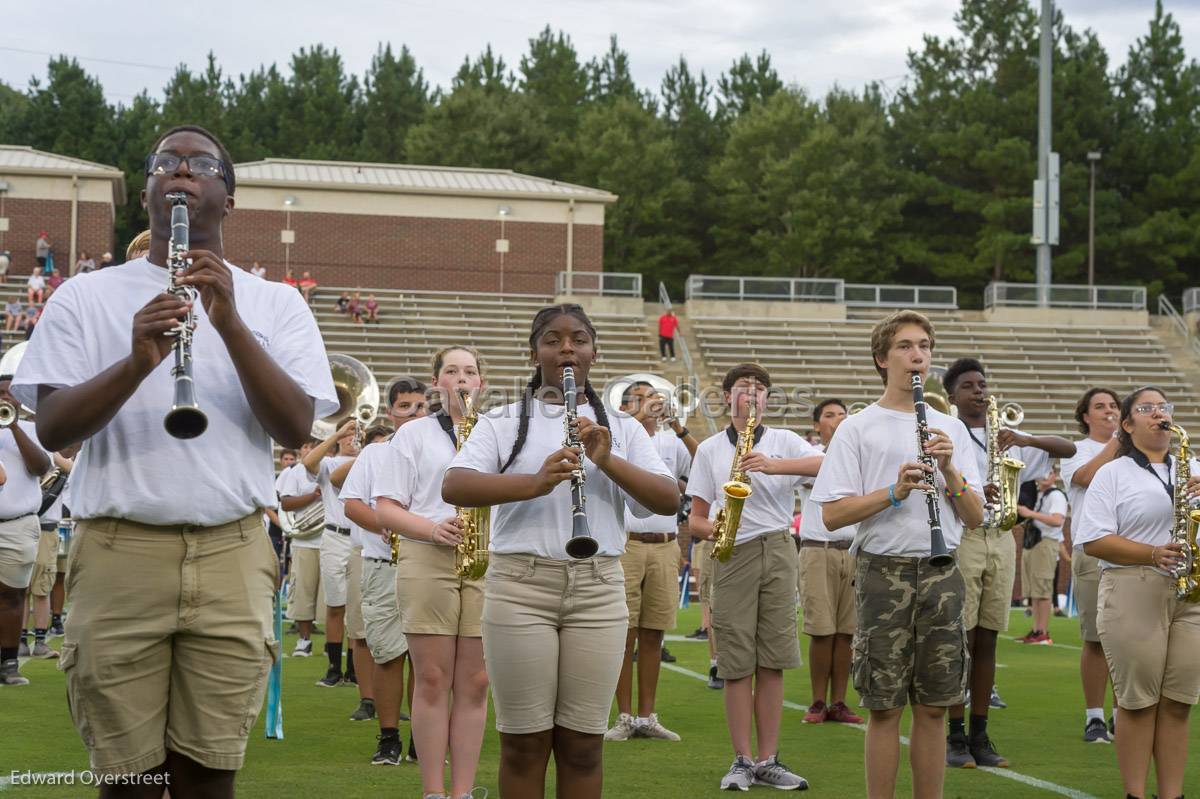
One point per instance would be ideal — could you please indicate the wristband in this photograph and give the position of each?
(683, 433)
(956, 494)
(892, 496)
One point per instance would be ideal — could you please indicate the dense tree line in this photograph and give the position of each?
(929, 182)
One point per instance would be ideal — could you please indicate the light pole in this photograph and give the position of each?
(287, 235)
(502, 243)
(1093, 156)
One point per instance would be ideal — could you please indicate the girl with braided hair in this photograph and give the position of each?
(554, 628)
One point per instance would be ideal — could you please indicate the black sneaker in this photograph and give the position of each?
(958, 754)
(388, 753)
(714, 682)
(10, 673)
(1096, 732)
(985, 754)
(411, 757)
(365, 711)
(56, 630)
(332, 679)
(1112, 724)
(667, 657)
(349, 679)
(701, 634)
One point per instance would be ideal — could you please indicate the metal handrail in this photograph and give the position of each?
(1191, 300)
(1167, 309)
(1027, 295)
(604, 284)
(784, 289)
(882, 295)
(686, 354)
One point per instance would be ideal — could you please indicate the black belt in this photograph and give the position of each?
(333, 528)
(14, 518)
(805, 542)
(388, 561)
(49, 527)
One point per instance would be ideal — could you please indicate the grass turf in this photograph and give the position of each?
(325, 754)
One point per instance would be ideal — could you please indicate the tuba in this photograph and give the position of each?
(1187, 518)
(9, 413)
(471, 555)
(357, 393)
(737, 490)
(1003, 472)
(680, 400)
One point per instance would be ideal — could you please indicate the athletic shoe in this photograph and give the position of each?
(303, 648)
(622, 730)
(816, 712)
(404, 716)
(1059, 612)
(651, 728)
(740, 775)
(773, 773)
(43, 651)
(1042, 638)
(23, 649)
(995, 700)
(958, 754)
(701, 634)
(365, 711)
(840, 713)
(1112, 724)
(714, 682)
(1028, 637)
(388, 753)
(667, 657)
(332, 679)
(411, 757)
(349, 679)
(56, 630)
(1096, 732)
(10, 674)
(984, 752)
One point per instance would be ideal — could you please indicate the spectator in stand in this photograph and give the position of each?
(13, 316)
(32, 314)
(308, 285)
(668, 323)
(84, 263)
(372, 309)
(258, 270)
(53, 282)
(37, 287)
(42, 248)
(356, 309)
(343, 303)
(290, 280)
(105, 260)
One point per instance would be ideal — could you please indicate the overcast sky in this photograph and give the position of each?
(812, 44)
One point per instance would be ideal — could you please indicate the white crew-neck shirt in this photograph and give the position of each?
(542, 526)
(812, 524)
(294, 481)
(421, 453)
(866, 455)
(1085, 450)
(132, 468)
(334, 513)
(674, 454)
(21, 494)
(361, 484)
(1052, 502)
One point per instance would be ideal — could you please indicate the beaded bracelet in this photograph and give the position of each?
(956, 494)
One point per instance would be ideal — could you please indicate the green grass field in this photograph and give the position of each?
(324, 754)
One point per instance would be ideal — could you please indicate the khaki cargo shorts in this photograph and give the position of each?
(651, 584)
(987, 559)
(19, 539)
(381, 613)
(1038, 567)
(827, 594)
(433, 599)
(1085, 582)
(45, 566)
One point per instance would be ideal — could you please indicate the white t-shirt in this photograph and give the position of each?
(259, 271)
(542, 526)
(36, 282)
(1127, 499)
(295, 482)
(334, 513)
(361, 484)
(421, 453)
(772, 502)
(132, 468)
(21, 494)
(674, 454)
(1085, 450)
(1050, 503)
(866, 455)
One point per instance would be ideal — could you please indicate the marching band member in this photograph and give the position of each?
(554, 628)
(910, 644)
(172, 575)
(1151, 637)
(297, 491)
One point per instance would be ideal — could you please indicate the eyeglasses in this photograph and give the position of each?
(1148, 408)
(166, 163)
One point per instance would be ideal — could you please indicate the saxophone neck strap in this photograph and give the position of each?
(1141, 460)
(448, 425)
(732, 433)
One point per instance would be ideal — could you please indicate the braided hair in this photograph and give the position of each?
(1125, 438)
(540, 321)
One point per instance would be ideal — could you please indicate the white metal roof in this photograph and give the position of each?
(19, 159)
(405, 178)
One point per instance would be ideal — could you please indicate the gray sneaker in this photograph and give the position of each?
(623, 730)
(1096, 732)
(10, 674)
(714, 682)
(23, 649)
(773, 773)
(958, 752)
(365, 711)
(42, 650)
(740, 776)
(651, 728)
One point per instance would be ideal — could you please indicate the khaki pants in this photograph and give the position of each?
(381, 613)
(987, 559)
(651, 584)
(1085, 579)
(354, 615)
(434, 600)
(45, 566)
(702, 564)
(827, 577)
(169, 640)
(306, 591)
(1038, 567)
(19, 540)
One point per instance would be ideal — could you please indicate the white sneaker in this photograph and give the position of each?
(43, 651)
(303, 648)
(651, 728)
(740, 775)
(772, 772)
(623, 730)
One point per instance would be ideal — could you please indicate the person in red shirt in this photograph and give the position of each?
(308, 285)
(667, 325)
(290, 280)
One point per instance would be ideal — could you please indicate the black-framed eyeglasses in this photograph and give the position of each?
(166, 163)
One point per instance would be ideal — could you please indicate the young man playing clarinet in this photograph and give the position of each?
(909, 645)
(172, 575)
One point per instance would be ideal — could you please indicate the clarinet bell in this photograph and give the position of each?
(185, 421)
(581, 545)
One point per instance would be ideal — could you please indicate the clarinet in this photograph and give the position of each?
(581, 545)
(939, 555)
(185, 419)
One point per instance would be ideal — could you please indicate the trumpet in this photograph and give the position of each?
(581, 545)
(471, 555)
(8, 414)
(185, 419)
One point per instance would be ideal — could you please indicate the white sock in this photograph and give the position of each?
(642, 721)
(1095, 713)
(712, 663)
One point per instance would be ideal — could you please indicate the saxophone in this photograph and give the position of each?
(471, 554)
(737, 490)
(1187, 519)
(1003, 472)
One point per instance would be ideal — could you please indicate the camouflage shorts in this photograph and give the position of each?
(910, 644)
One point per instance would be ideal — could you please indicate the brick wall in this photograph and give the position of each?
(26, 218)
(412, 252)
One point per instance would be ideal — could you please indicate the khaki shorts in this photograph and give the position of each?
(354, 614)
(702, 564)
(45, 566)
(335, 567)
(381, 613)
(1151, 639)
(827, 577)
(433, 599)
(1038, 567)
(754, 607)
(987, 560)
(651, 584)
(305, 584)
(554, 639)
(19, 539)
(910, 644)
(1085, 582)
(176, 658)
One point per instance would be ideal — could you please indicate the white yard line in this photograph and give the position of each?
(1052, 787)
